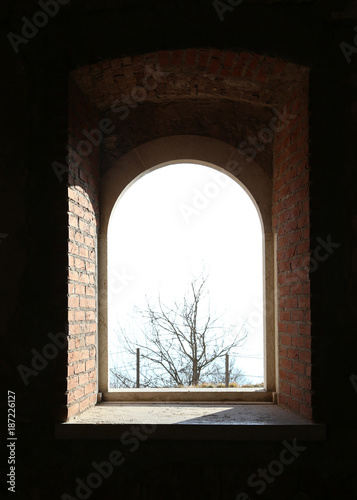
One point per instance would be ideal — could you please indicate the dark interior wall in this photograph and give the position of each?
(32, 252)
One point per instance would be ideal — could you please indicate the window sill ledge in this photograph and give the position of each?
(179, 421)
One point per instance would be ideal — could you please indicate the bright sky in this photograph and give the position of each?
(169, 225)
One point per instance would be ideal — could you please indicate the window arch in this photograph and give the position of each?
(221, 157)
(173, 226)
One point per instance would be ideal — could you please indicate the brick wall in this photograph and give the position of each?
(292, 223)
(83, 186)
(263, 80)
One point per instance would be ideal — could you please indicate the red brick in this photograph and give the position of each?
(72, 275)
(89, 241)
(305, 356)
(71, 344)
(83, 354)
(79, 367)
(296, 393)
(283, 352)
(293, 404)
(79, 237)
(176, 58)
(79, 264)
(298, 367)
(70, 370)
(298, 341)
(282, 399)
(90, 315)
(286, 363)
(293, 378)
(80, 290)
(284, 387)
(306, 411)
(292, 328)
(83, 405)
(293, 353)
(214, 66)
(72, 382)
(78, 210)
(190, 57)
(78, 393)
(284, 316)
(83, 252)
(73, 356)
(87, 303)
(73, 301)
(83, 379)
(84, 226)
(93, 399)
(203, 58)
(90, 364)
(304, 302)
(90, 267)
(307, 343)
(90, 340)
(73, 410)
(285, 339)
(84, 278)
(241, 64)
(291, 302)
(229, 59)
(73, 221)
(305, 382)
(164, 58)
(283, 327)
(297, 315)
(90, 387)
(80, 342)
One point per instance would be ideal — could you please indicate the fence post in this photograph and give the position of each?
(227, 370)
(138, 367)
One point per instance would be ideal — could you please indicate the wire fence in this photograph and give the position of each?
(137, 371)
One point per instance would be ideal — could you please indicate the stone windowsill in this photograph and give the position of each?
(210, 421)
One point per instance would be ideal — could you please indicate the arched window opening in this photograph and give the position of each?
(185, 281)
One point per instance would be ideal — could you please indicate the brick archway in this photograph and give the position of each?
(233, 97)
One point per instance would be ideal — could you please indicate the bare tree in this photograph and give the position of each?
(217, 375)
(182, 343)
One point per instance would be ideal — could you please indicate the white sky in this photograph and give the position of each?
(170, 224)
